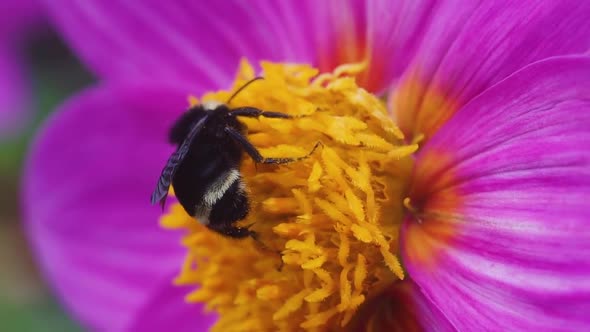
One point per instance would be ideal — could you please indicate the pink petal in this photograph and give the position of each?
(181, 40)
(19, 17)
(14, 94)
(387, 32)
(394, 30)
(87, 186)
(204, 42)
(503, 240)
(167, 310)
(471, 45)
(338, 32)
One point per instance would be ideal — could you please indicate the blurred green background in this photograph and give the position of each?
(26, 303)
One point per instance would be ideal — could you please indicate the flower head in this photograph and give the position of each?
(485, 220)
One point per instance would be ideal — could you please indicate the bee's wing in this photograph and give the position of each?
(161, 192)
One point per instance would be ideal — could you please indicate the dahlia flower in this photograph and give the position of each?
(449, 193)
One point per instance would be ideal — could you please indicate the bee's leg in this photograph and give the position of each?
(253, 112)
(290, 160)
(232, 231)
(243, 232)
(264, 247)
(255, 154)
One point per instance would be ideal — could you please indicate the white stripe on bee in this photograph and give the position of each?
(210, 105)
(202, 213)
(218, 188)
(241, 187)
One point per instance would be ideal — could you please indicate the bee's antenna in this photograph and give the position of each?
(243, 87)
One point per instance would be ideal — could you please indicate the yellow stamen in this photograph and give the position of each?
(333, 216)
(408, 205)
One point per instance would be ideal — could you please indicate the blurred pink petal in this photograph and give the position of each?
(503, 238)
(168, 311)
(86, 197)
(394, 29)
(15, 97)
(184, 40)
(18, 19)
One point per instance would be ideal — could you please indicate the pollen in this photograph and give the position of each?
(328, 224)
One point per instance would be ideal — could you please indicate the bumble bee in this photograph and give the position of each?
(205, 168)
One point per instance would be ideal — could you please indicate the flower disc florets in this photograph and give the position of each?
(328, 225)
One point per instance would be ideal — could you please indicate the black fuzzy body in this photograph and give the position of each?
(212, 155)
(204, 169)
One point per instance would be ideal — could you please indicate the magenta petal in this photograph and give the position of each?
(427, 316)
(384, 32)
(87, 186)
(167, 310)
(19, 17)
(504, 238)
(470, 46)
(180, 40)
(14, 94)
(394, 30)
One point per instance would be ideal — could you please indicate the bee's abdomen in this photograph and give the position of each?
(222, 201)
(232, 206)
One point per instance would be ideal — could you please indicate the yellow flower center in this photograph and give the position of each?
(328, 225)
